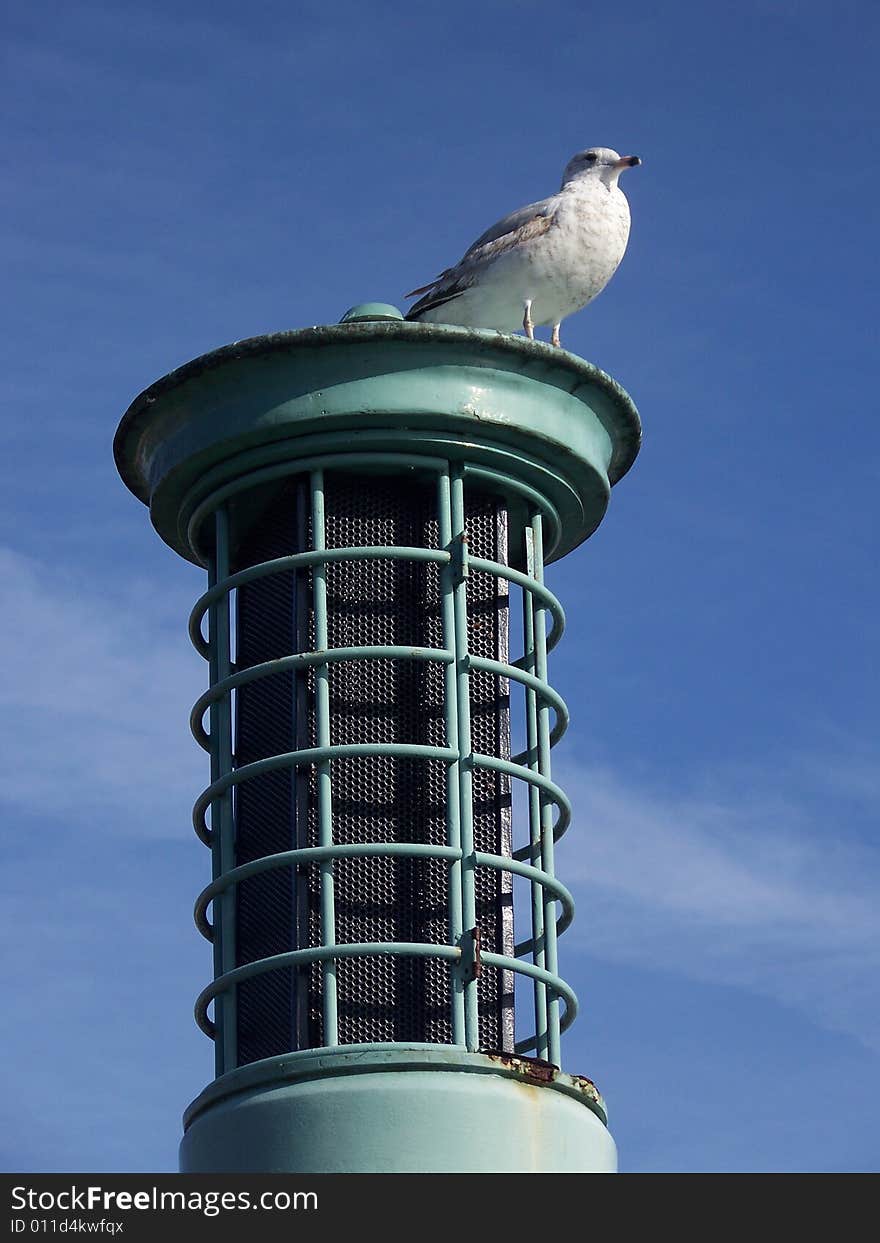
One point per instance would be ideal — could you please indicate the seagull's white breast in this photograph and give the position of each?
(582, 251)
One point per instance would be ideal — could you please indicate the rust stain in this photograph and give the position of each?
(532, 1069)
(588, 1088)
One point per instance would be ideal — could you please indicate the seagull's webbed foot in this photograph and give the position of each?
(554, 336)
(528, 326)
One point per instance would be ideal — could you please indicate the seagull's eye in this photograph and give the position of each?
(590, 157)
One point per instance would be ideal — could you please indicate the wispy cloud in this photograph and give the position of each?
(95, 696)
(750, 887)
(97, 683)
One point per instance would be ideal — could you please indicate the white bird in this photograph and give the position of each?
(543, 262)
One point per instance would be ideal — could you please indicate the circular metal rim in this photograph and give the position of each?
(279, 565)
(514, 347)
(306, 756)
(279, 459)
(370, 949)
(335, 655)
(306, 1064)
(351, 850)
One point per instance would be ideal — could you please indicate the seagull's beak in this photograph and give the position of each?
(628, 161)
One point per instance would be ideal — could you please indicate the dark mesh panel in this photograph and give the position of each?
(490, 735)
(265, 625)
(385, 799)
(375, 798)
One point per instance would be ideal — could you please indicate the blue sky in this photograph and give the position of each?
(183, 175)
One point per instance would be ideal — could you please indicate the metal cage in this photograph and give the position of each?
(462, 952)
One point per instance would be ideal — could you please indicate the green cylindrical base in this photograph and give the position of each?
(418, 1110)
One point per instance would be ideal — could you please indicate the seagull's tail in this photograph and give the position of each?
(442, 288)
(437, 294)
(414, 293)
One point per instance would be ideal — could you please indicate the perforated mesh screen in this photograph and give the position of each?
(374, 798)
(264, 806)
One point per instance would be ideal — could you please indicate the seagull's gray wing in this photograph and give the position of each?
(518, 227)
(513, 223)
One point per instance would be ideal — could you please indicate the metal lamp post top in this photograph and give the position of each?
(494, 400)
(454, 414)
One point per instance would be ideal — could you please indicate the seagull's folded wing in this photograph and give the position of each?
(519, 227)
(534, 216)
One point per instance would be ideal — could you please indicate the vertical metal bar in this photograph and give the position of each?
(322, 731)
(302, 1025)
(537, 893)
(463, 714)
(547, 852)
(222, 820)
(453, 770)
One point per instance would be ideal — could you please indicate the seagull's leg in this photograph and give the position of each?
(528, 326)
(554, 336)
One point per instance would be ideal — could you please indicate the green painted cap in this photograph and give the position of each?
(366, 311)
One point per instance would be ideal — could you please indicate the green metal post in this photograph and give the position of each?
(463, 710)
(539, 955)
(459, 415)
(539, 629)
(453, 772)
(325, 793)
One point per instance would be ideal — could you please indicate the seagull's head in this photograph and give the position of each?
(599, 164)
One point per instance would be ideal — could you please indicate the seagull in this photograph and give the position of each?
(543, 262)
